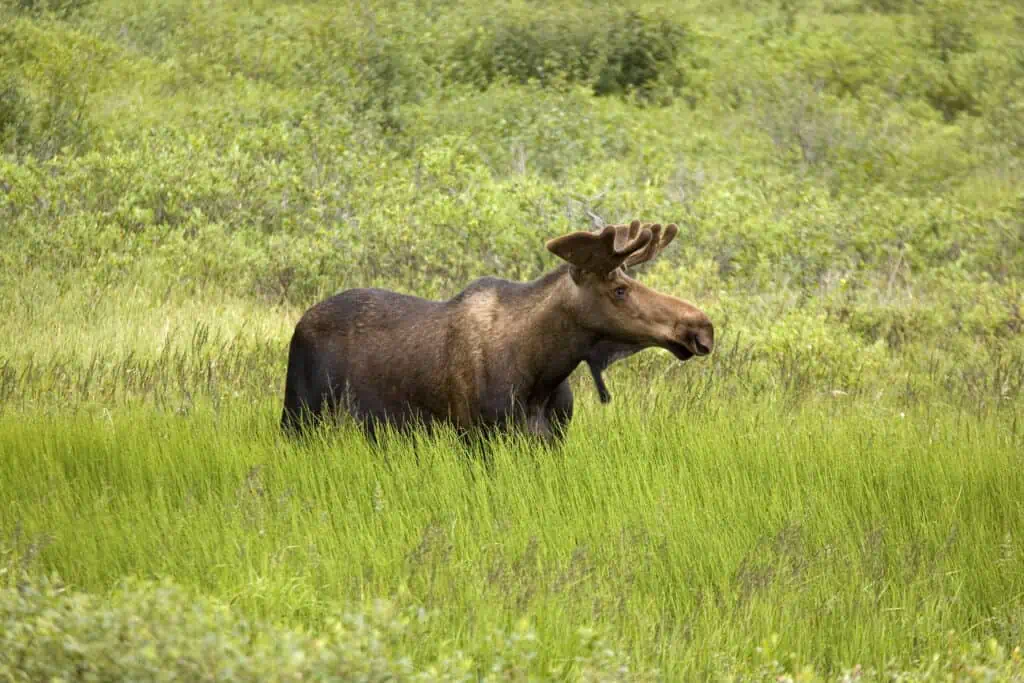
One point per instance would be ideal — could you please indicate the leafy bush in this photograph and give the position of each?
(15, 113)
(159, 631)
(949, 30)
(888, 6)
(50, 73)
(59, 8)
(614, 52)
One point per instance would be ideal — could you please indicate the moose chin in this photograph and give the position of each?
(498, 355)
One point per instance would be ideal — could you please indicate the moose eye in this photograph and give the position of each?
(620, 292)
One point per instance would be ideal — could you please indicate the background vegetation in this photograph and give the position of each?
(837, 486)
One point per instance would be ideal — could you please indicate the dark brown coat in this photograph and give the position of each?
(498, 354)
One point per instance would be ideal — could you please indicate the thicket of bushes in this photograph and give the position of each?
(158, 631)
(611, 50)
(849, 170)
(161, 632)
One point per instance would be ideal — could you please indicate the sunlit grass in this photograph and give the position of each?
(856, 533)
(92, 321)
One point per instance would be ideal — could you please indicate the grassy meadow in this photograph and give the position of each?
(834, 494)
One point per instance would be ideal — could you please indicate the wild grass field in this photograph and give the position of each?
(834, 494)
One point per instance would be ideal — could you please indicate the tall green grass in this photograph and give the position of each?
(691, 531)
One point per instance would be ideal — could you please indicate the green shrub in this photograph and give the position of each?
(15, 113)
(642, 52)
(57, 8)
(1002, 107)
(949, 28)
(614, 52)
(951, 71)
(889, 6)
(50, 73)
(161, 632)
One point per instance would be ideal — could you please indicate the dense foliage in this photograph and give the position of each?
(847, 174)
(158, 632)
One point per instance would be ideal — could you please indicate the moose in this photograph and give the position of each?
(496, 356)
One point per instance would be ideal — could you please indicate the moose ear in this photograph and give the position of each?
(602, 252)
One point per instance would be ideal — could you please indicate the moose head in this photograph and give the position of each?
(629, 315)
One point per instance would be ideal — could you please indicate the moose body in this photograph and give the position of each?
(498, 354)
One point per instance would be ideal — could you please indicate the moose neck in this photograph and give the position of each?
(551, 343)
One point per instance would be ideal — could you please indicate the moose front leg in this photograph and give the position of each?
(550, 421)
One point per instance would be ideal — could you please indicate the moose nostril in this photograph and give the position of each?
(703, 342)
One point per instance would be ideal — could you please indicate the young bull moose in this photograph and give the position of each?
(498, 354)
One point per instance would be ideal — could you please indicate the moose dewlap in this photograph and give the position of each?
(497, 355)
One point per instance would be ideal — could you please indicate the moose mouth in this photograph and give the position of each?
(687, 351)
(609, 352)
(679, 351)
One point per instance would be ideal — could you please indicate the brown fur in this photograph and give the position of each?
(497, 355)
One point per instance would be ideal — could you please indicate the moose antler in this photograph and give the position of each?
(616, 245)
(601, 252)
(659, 240)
